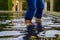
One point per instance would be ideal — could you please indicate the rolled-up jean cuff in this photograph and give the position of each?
(28, 18)
(38, 17)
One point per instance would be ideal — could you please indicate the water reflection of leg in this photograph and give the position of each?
(39, 28)
(30, 30)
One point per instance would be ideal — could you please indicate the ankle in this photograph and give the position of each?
(27, 22)
(38, 20)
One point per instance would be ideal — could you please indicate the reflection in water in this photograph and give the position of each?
(8, 20)
(5, 20)
(3, 24)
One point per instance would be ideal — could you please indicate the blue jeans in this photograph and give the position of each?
(35, 8)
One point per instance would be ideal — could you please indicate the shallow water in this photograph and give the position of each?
(7, 22)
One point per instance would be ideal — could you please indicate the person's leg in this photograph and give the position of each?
(38, 15)
(40, 7)
(28, 17)
(30, 12)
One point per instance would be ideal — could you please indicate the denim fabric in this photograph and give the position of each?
(35, 8)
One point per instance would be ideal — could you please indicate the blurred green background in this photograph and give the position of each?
(7, 5)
